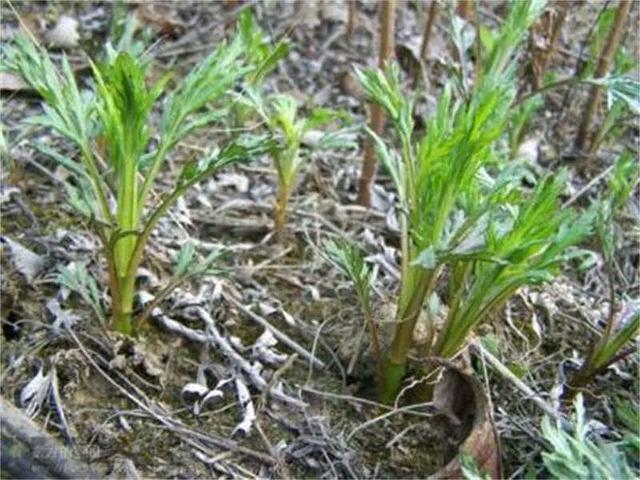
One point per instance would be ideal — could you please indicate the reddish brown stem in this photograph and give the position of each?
(351, 19)
(465, 9)
(428, 26)
(602, 68)
(419, 73)
(553, 22)
(369, 164)
(280, 215)
(561, 15)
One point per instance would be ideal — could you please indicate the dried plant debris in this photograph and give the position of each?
(248, 409)
(27, 262)
(65, 33)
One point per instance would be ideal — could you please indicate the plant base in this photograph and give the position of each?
(123, 323)
(393, 376)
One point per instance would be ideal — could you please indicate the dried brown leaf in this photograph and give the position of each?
(462, 399)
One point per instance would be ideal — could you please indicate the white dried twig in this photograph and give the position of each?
(215, 337)
(27, 262)
(284, 338)
(249, 411)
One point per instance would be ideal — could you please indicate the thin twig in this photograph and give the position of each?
(284, 338)
(588, 186)
(351, 398)
(519, 384)
(313, 348)
(395, 411)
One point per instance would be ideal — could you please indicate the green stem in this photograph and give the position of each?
(457, 327)
(143, 238)
(114, 283)
(123, 312)
(127, 216)
(395, 366)
(150, 176)
(98, 184)
(393, 376)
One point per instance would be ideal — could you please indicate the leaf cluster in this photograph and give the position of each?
(189, 265)
(67, 110)
(77, 279)
(282, 115)
(577, 455)
(122, 151)
(348, 259)
(461, 205)
(261, 55)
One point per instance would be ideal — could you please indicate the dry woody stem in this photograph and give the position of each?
(541, 58)
(428, 27)
(604, 63)
(369, 164)
(352, 13)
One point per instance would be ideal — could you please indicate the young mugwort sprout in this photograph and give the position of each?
(348, 258)
(281, 113)
(462, 206)
(117, 162)
(621, 326)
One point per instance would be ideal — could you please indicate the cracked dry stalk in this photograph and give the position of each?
(540, 60)
(369, 164)
(351, 19)
(280, 213)
(465, 9)
(604, 63)
(428, 27)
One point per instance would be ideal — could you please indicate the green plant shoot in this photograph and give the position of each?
(456, 214)
(576, 455)
(622, 326)
(117, 162)
(348, 259)
(281, 114)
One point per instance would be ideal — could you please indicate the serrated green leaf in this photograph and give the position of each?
(77, 278)
(576, 455)
(427, 259)
(348, 258)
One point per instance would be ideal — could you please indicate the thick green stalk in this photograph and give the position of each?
(122, 292)
(125, 244)
(127, 288)
(125, 282)
(418, 285)
(154, 218)
(115, 289)
(123, 310)
(127, 216)
(287, 167)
